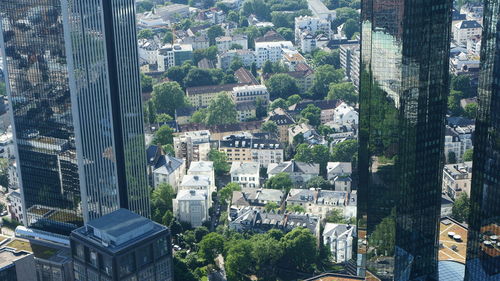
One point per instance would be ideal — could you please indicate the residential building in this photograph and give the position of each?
(6, 145)
(474, 45)
(246, 110)
(270, 36)
(220, 132)
(310, 41)
(251, 93)
(202, 96)
(15, 206)
(173, 54)
(345, 114)
(204, 63)
(148, 50)
(191, 206)
(122, 245)
(16, 263)
(304, 132)
(457, 179)
(473, 11)
(183, 115)
(321, 202)
(465, 64)
(169, 170)
(153, 154)
(299, 172)
(319, 10)
(192, 146)
(225, 43)
(246, 174)
(197, 42)
(271, 51)
(339, 175)
(341, 132)
(349, 61)
(172, 12)
(483, 259)
(311, 25)
(292, 59)
(257, 198)
(244, 76)
(247, 57)
(249, 219)
(401, 136)
(304, 76)
(283, 120)
(327, 108)
(201, 175)
(464, 30)
(458, 139)
(245, 149)
(338, 238)
(82, 158)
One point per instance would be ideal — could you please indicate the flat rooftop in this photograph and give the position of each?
(451, 249)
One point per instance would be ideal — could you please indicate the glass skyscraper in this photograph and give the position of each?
(483, 249)
(73, 77)
(404, 84)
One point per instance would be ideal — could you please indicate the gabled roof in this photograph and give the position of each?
(469, 24)
(201, 166)
(280, 117)
(194, 181)
(294, 167)
(338, 230)
(245, 168)
(152, 153)
(270, 36)
(322, 104)
(205, 64)
(344, 167)
(244, 76)
(211, 89)
(187, 195)
(167, 164)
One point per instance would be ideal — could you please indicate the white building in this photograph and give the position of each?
(246, 174)
(457, 140)
(15, 205)
(171, 55)
(339, 174)
(299, 172)
(203, 168)
(224, 43)
(466, 29)
(345, 114)
(250, 93)
(474, 45)
(310, 42)
(225, 59)
(308, 132)
(311, 25)
(322, 202)
(271, 51)
(148, 51)
(198, 42)
(192, 146)
(6, 145)
(320, 10)
(457, 179)
(191, 206)
(169, 170)
(338, 238)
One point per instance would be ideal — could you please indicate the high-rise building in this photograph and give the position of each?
(483, 249)
(403, 91)
(122, 246)
(72, 76)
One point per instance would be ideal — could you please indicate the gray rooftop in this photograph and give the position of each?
(245, 167)
(294, 167)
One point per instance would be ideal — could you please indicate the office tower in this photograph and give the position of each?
(122, 246)
(483, 249)
(403, 92)
(72, 74)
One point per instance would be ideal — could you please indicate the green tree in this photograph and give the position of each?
(335, 216)
(384, 235)
(271, 206)
(4, 172)
(163, 117)
(454, 102)
(211, 246)
(286, 32)
(182, 271)
(345, 151)
(462, 83)
(238, 264)
(351, 26)
(312, 113)
(471, 110)
(161, 201)
(325, 75)
(213, 32)
(199, 116)
(321, 57)
(280, 181)
(325, 130)
(233, 16)
(221, 166)
(293, 99)
(146, 83)
(236, 63)
(269, 127)
(168, 38)
(167, 97)
(151, 111)
(461, 207)
(164, 135)
(3, 89)
(221, 110)
(299, 249)
(267, 68)
(226, 192)
(278, 103)
(295, 209)
(318, 182)
(179, 73)
(145, 34)
(260, 108)
(343, 15)
(200, 232)
(343, 91)
(281, 85)
(266, 252)
(468, 154)
(235, 46)
(144, 6)
(319, 154)
(198, 77)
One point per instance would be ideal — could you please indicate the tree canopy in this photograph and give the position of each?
(167, 97)
(161, 201)
(281, 181)
(325, 75)
(343, 91)
(312, 113)
(221, 166)
(164, 135)
(281, 85)
(221, 110)
(226, 192)
(461, 208)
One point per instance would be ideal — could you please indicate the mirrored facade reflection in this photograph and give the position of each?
(483, 249)
(403, 91)
(72, 74)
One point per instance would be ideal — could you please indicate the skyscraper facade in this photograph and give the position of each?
(72, 75)
(483, 249)
(403, 91)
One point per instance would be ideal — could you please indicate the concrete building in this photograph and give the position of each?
(465, 64)
(299, 172)
(192, 146)
(198, 42)
(225, 59)
(349, 61)
(304, 77)
(313, 26)
(457, 140)
(320, 202)
(15, 206)
(339, 175)
(171, 12)
(203, 170)
(292, 59)
(191, 206)
(457, 179)
(202, 96)
(271, 51)
(148, 51)
(246, 174)
(169, 170)
(473, 11)
(245, 149)
(310, 41)
(305, 133)
(16, 262)
(246, 111)
(283, 120)
(464, 30)
(171, 55)
(122, 246)
(338, 238)
(251, 93)
(224, 43)
(327, 109)
(345, 114)
(319, 10)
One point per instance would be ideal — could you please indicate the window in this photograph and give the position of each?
(126, 264)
